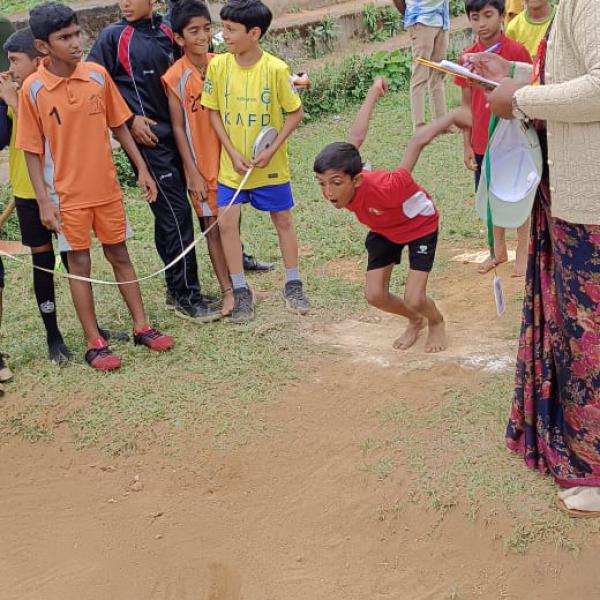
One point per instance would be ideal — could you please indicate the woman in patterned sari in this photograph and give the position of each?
(555, 416)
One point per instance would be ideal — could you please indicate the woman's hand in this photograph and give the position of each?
(500, 100)
(488, 65)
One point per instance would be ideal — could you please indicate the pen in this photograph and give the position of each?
(487, 51)
(493, 48)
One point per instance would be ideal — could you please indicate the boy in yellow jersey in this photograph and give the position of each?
(23, 61)
(529, 28)
(511, 9)
(246, 90)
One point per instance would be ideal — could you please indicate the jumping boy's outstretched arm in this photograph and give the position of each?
(360, 127)
(461, 117)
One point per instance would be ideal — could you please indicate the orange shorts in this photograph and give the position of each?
(108, 221)
(208, 207)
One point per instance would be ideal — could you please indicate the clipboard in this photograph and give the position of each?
(458, 71)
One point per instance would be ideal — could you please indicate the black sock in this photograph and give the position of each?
(64, 257)
(43, 285)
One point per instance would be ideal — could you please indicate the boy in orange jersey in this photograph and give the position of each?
(65, 110)
(196, 140)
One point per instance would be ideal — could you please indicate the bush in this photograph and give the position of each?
(336, 85)
(457, 7)
(125, 174)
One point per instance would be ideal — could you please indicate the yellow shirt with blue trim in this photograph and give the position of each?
(18, 174)
(249, 99)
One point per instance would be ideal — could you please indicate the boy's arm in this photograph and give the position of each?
(360, 127)
(467, 132)
(240, 164)
(49, 212)
(145, 181)
(104, 53)
(425, 135)
(292, 120)
(8, 91)
(196, 184)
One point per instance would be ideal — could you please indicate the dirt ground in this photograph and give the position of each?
(292, 514)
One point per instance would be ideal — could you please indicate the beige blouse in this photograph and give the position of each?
(570, 103)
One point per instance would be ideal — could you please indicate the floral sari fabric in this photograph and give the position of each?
(555, 416)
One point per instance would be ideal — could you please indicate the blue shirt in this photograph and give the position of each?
(434, 13)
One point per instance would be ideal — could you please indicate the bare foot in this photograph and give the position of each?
(520, 266)
(410, 335)
(227, 307)
(436, 338)
(489, 264)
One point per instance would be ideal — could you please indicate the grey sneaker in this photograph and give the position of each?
(243, 305)
(295, 298)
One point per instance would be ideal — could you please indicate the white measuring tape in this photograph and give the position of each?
(263, 141)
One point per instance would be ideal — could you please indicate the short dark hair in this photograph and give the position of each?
(22, 41)
(339, 156)
(249, 13)
(50, 17)
(184, 11)
(477, 5)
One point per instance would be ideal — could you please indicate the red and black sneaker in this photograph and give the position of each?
(99, 356)
(153, 339)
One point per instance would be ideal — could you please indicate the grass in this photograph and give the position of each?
(10, 7)
(456, 450)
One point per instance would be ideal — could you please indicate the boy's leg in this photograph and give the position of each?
(39, 240)
(437, 95)
(499, 250)
(81, 292)
(522, 249)
(229, 230)
(421, 257)
(422, 41)
(232, 244)
(5, 373)
(118, 257)
(219, 263)
(288, 242)
(107, 334)
(377, 294)
(293, 291)
(415, 295)
(174, 227)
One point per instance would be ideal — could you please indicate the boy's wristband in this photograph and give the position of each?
(513, 68)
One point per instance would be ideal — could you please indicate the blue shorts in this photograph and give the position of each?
(268, 198)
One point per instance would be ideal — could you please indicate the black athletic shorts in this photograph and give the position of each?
(1, 274)
(33, 233)
(383, 252)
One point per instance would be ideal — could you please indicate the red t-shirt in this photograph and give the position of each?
(394, 205)
(510, 50)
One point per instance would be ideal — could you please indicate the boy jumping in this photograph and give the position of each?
(65, 111)
(398, 213)
(246, 90)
